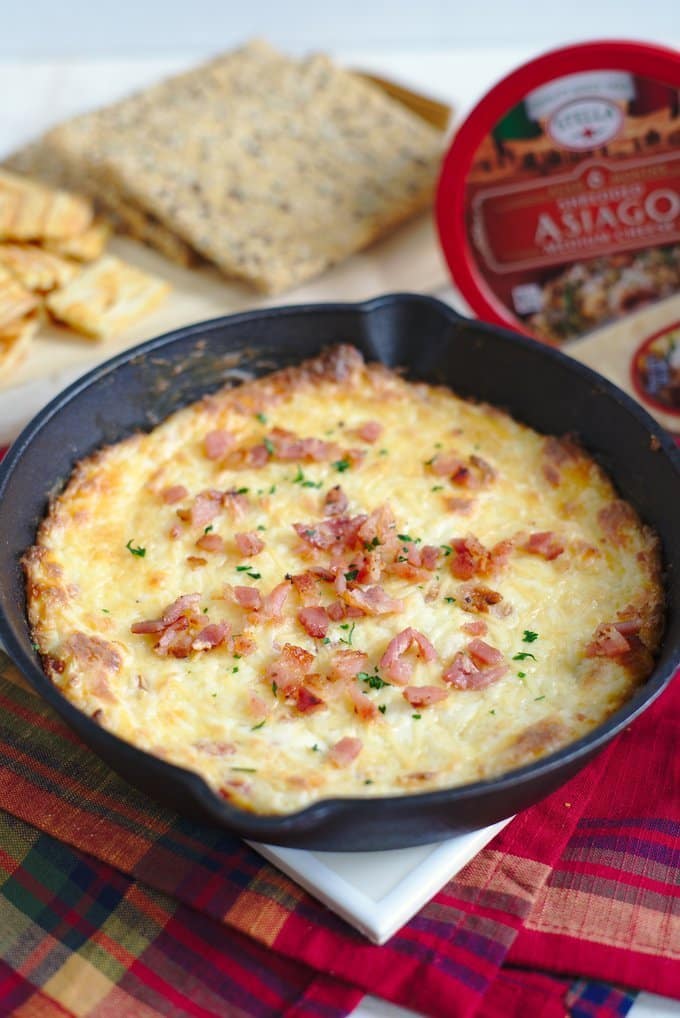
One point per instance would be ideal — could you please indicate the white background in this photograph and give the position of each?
(49, 28)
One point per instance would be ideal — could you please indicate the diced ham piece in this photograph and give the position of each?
(363, 705)
(346, 664)
(474, 597)
(557, 452)
(187, 604)
(477, 666)
(236, 503)
(339, 532)
(289, 447)
(616, 518)
(217, 443)
(379, 530)
(470, 558)
(393, 663)
(373, 601)
(306, 586)
(344, 751)
(369, 431)
(175, 493)
(275, 600)
(210, 542)
(249, 598)
(336, 611)
(258, 456)
(242, 645)
(205, 508)
(211, 636)
(306, 700)
(608, 641)
(483, 654)
(315, 621)
(214, 748)
(546, 544)
(290, 668)
(257, 707)
(336, 502)
(423, 696)
(445, 463)
(429, 557)
(355, 456)
(249, 544)
(476, 628)
(459, 505)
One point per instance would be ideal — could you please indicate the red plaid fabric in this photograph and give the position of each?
(146, 913)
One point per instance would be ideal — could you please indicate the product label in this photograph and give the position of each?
(574, 202)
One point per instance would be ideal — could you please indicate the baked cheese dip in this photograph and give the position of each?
(334, 582)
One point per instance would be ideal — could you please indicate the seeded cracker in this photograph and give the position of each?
(31, 211)
(15, 300)
(272, 168)
(38, 270)
(15, 339)
(106, 297)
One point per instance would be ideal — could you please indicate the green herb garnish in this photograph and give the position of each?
(374, 681)
(245, 770)
(529, 637)
(523, 655)
(437, 487)
(416, 717)
(255, 727)
(351, 575)
(315, 748)
(269, 446)
(261, 418)
(342, 465)
(537, 698)
(348, 640)
(206, 530)
(405, 537)
(139, 551)
(274, 688)
(446, 548)
(521, 675)
(450, 600)
(382, 708)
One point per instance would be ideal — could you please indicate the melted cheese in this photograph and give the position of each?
(198, 711)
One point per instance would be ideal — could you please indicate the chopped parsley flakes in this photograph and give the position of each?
(450, 600)
(342, 465)
(351, 575)
(416, 717)
(374, 681)
(249, 571)
(255, 727)
(348, 639)
(269, 446)
(261, 418)
(523, 655)
(303, 481)
(245, 770)
(529, 637)
(138, 551)
(382, 708)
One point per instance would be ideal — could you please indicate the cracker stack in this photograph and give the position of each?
(271, 168)
(45, 237)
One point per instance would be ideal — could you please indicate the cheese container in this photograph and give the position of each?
(558, 206)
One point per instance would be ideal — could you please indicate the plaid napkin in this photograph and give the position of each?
(112, 906)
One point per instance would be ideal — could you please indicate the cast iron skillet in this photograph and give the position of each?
(540, 386)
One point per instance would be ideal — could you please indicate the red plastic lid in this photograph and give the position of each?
(558, 205)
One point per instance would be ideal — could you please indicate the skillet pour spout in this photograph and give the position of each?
(536, 384)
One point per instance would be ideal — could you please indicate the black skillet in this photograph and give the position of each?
(538, 385)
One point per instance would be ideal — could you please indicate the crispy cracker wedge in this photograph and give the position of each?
(38, 270)
(15, 300)
(15, 339)
(31, 211)
(106, 297)
(83, 247)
